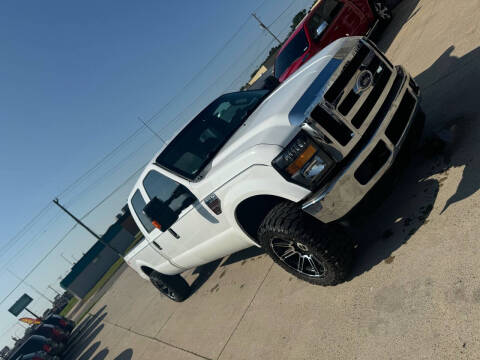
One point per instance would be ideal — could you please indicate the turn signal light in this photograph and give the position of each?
(301, 160)
(157, 224)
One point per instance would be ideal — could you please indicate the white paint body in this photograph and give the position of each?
(242, 169)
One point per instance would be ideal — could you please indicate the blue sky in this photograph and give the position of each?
(75, 77)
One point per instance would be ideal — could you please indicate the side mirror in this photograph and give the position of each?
(160, 214)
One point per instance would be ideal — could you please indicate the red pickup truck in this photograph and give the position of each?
(328, 21)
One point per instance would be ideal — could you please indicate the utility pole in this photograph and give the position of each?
(30, 286)
(79, 222)
(263, 26)
(66, 259)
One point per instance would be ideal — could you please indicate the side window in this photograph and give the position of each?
(329, 10)
(324, 15)
(175, 195)
(138, 204)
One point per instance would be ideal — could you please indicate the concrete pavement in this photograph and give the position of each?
(415, 289)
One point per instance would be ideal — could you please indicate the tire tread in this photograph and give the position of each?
(335, 246)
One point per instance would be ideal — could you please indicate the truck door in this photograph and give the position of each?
(160, 242)
(199, 235)
(333, 19)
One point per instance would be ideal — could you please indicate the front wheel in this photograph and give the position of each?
(304, 247)
(172, 286)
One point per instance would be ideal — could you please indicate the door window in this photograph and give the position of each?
(173, 194)
(138, 204)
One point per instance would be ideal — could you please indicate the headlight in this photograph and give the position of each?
(303, 162)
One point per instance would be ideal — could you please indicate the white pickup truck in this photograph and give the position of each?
(280, 169)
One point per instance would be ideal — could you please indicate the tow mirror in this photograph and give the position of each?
(160, 214)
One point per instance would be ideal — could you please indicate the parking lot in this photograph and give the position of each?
(414, 291)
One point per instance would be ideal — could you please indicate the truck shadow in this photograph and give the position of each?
(243, 255)
(204, 272)
(451, 142)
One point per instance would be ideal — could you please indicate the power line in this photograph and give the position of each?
(177, 117)
(29, 243)
(283, 12)
(109, 171)
(153, 117)
(157, 113)
(174, 120)
(115, 190)
(30, 286)
(24, 229)
(129, 138)
(39, 263)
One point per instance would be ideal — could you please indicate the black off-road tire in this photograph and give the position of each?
(172, 286)
(328, 246)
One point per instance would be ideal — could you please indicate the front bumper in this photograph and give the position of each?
(372, 161)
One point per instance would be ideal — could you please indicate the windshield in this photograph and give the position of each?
(295, 48)
(192, 149)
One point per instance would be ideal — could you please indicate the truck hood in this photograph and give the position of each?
(271, 123)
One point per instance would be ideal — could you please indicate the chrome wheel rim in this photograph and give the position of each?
(298, 257)
(382, 11)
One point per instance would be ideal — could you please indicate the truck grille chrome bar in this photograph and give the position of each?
(354, 98)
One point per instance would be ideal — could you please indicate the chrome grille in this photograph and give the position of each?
(345, 112)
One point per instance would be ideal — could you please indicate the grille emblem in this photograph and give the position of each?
(364, 81)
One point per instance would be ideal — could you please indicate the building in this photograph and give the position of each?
(99, 258)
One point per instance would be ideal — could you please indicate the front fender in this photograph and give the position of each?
(254, 181)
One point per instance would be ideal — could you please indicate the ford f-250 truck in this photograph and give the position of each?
(277, 169)
(326, 22)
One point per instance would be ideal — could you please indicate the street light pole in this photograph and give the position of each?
(79, 222)
(51, 287)
(66, 259)
(30, 286)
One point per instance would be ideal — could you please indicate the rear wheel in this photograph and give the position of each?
(172, 286)
(305, 247)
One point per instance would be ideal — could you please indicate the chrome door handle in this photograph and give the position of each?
(175, 235)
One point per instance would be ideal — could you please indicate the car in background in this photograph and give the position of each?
(326, 22)
(39, 355)
(60, 321)
(35, 344)
(50, 331)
